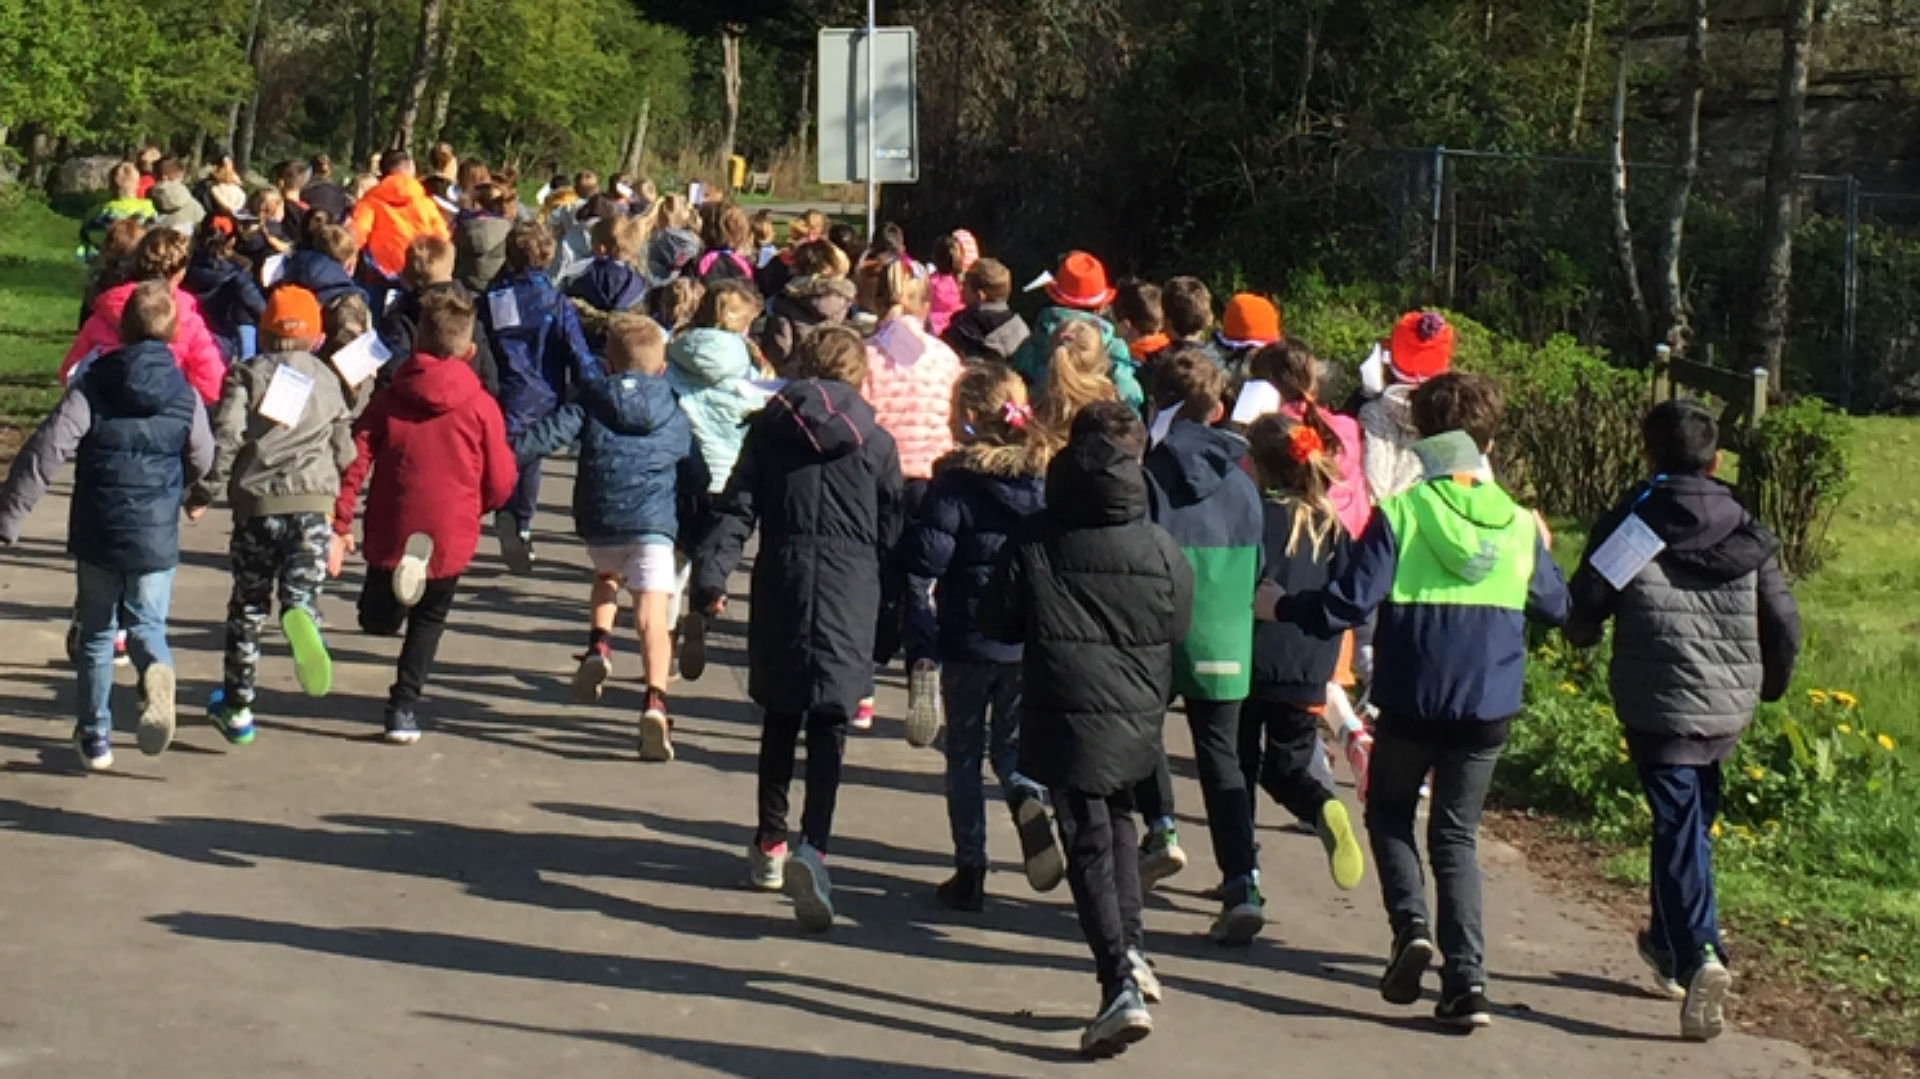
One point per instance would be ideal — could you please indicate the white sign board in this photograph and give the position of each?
(843, 106)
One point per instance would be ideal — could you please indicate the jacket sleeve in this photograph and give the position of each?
(229, 427)
(368, 434)
(96, 335)
(485, 365)
(548, 435)
(200, 446)
(1351, 597)
(1547, 599)
(51, 446)
(1002, 613)
(361, 221)
(1181, 572)
(566, 328)
(499, 472)
(926, 549)
(892, 502)
(1592, 599)
(729, 524)
(1779, 632)
(250, 298)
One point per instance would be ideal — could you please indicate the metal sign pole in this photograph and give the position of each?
(873, 149)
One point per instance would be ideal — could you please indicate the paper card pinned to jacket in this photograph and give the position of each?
(504, 309)
(1627, 551)
(1257, 398)
(272, 270)
(1161, 425)
(286, 396)
(360, 358)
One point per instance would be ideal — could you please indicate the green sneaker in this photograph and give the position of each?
(1344, 857)
(311, 663)
(1160, 857)
(234, 724)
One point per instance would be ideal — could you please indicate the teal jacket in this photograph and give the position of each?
(704, 366)
(1037, 352)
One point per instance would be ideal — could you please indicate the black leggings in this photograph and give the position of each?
(826, 745)
(425, 622)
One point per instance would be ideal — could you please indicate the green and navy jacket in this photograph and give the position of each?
(1212, 510)
(1454, 569)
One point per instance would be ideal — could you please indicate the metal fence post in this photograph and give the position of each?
(1851, 290)
(1439, 189)
(1757, 408)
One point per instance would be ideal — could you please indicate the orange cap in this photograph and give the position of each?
(292, 313)
(1250, 320)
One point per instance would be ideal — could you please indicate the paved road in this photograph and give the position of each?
(517, 895)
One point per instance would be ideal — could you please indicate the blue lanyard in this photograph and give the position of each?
(1648, 493)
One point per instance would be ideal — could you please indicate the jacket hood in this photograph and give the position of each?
(138, 379)
(1094, 482)
(1198, 459)
(1008, 334)
(1459, 524)
(397, 190)
(435, 385)
(805, 289)
(610, 285)
(206, 273)
(170, 196)
(815, 299)
(630, 404)
(670, 251)
(1008, 475)
(315, 271)
(1397, 402)
(1707, 530)
(709, 356)
(822, 418)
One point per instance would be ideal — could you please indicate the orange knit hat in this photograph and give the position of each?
(292, 314)
(1249, 321)
(1421, 346)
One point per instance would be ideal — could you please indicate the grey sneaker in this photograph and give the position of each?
(1123, 1020)
(516, 544)
(810, 889)
(1160, 857)
(923, 704)
(1703, 1014)
(410, 576)
(1144, 978)
(1243, 913)
(156, 709)
(766, 869)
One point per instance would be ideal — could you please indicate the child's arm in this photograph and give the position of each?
(51, 446)
(566, 329)
(1547, 599)
(548, 436)
(1349, 598)
(926, 550)
(1593, 599)
(499, 471)
(1181, 572)
(368, 437)
(1779, 632)
(199, 450)
(729, 526)
(229, 428)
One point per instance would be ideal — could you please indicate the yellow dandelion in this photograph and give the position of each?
(1715, 830)
(1845, 700)
(1756, 773)
(1785, 922)
(1844, 728)
(1886, 742)
(1817, 697)
(1569, 687)
(1864, 957)
(1771, 826)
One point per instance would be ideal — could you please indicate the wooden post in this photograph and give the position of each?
(1662, 373)
(1757, 409)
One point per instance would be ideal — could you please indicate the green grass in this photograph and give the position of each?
(40, 287)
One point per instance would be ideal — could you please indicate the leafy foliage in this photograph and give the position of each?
(1795, 468)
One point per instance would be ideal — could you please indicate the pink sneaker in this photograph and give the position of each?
(1359, 747)
(862, 716)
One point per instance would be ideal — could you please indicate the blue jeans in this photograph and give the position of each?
(108, 601)
(983, 720)
(1684, 800)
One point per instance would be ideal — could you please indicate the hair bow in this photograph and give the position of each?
(1016, 415)
(1303, 443)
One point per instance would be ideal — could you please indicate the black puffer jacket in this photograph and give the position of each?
(1291, 665)
(1098, 594)
(1704, 631)
(822, 482)
(978, 497)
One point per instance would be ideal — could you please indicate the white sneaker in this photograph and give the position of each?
(810, 889)
(1123, 1021)
(1703, 1014)
(923, 704)
(410, 576)
(156, 709)
(1144, 977)
(766, 869)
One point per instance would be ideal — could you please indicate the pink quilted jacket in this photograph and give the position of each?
(910, 377)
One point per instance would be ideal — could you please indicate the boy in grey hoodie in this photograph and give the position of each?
(284, 433)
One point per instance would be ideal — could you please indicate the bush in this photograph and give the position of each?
(1795, 467)
(1571, 441)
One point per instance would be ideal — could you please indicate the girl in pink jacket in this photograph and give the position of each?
(910, 373)
(162, 254)
(1292, 371)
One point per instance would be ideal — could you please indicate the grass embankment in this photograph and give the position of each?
(40, 286)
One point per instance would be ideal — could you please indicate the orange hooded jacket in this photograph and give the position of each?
(395, 213)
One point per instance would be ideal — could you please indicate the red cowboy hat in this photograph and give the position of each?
(1080, 282)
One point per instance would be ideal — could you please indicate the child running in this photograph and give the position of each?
(280, 469)
(980, 494)
(1099, 595)
(438, 450)
(1455, 568)
(140, 434)
(820, 480)
(1305, 547)
(1703, 629)
(632, 440)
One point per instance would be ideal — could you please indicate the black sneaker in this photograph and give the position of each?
(1660, 961)
(1412, 954)
(1044, 863)
(402, 729)
(965, 890)
(693, 646)
(1465, 1010)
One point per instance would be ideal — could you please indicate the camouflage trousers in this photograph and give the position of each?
(284, 552)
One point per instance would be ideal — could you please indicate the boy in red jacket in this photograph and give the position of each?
(438, 448)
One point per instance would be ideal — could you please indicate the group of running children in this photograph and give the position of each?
(1062, 525)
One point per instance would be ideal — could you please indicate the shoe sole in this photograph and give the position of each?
(1045, 865)
(312, 666)
(1470, 1021)
(591, 679)
(923, 708)
(1665, 986)
(156, 709)
(1115, 1042)
(1344, 858)
(693, 646)
(513, 547)
(1160, 865)
(401, 738)
(1401, 983)
(1703, 1015)
(656, 741)
(1237, 927)
(814, 912)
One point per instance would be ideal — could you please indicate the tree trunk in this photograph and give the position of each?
(1622, 223)
(442, 105)
(1308, 61)
(730, 72)
(1686, 166)
(1580, 76)
(415, 89)
(369, 51)
(250, 108)
(39, 157)
(1767, 344)
(636, 154)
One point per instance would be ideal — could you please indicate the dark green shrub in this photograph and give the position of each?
(1795, 468)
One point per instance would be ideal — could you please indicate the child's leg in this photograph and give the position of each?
(426, 622)
(301, 557)
(779, 736)
(1003, 744)
(252, 555)
(656, 636)
(603, 606)
(967, 689)
(1249, 743)
(526, 495)
(380, 614)
(1292, 743)
(1461, 777)
(144, 600)
(826, 746)
(1684, 800)
(1126, 870)
(1091, 831)
(96, 610)
(1399, 767)
(1216, 729)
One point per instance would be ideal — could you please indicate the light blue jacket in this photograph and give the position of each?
(703, 366)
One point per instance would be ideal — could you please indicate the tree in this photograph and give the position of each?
(730, 77)
(1766, 346)
(1622, 223)
(1686, 167)
(414, 90)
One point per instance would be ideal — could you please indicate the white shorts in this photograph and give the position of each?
(644, 567)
